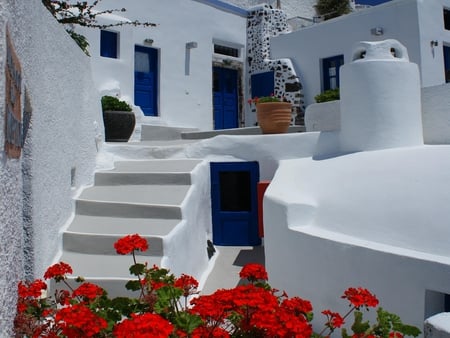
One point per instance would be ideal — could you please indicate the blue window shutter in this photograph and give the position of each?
(263, 84)
(108, 44)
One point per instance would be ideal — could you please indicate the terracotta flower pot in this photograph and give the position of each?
(274, 117)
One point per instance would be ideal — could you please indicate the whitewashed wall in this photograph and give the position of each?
(184, 100)
(413, 22)
(435, 115)
(369, 208)
(59, 153)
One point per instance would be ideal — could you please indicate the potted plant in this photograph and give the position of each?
(273, 114)
(118, 118)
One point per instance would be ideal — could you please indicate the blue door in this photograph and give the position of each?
(146, 80)
(234, 203)
(225, 98)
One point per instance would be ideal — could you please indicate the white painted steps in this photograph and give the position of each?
(142, 197)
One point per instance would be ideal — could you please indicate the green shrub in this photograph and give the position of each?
(328, 95)
(113, 103)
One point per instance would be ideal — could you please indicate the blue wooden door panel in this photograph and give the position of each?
(225, 98)
(145, 80)
(234, 203)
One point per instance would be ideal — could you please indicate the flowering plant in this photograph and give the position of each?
(169, 306)
(264, 99)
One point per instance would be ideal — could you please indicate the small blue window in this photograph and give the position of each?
(108, 44)
(330, 69)
(263, 84)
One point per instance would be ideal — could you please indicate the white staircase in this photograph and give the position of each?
(142, 195)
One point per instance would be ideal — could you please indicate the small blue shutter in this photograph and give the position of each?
(108, 44)
(263, 84)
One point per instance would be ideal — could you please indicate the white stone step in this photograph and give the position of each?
(172, 172)
(108, 271)
(97, 235)
(153, 132)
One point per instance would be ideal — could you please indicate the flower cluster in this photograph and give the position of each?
(264, 99)
(169, 306)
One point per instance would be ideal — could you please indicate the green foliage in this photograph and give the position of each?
(83, 14)
(328, 95)
(186, 321)
(113, 103)
(137, 269)
(80, 40)
(329, 9)
(386, 323)
(268, 99)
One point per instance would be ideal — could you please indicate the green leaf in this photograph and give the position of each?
(133, 285)
(137, 269)
(187, 322)
(359, 326)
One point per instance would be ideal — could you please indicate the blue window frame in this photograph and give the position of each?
(109, 42)
(263, 84)
(447, 63)
(330, 69)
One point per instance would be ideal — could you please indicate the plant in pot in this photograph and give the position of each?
(273, 114)
(118, 118)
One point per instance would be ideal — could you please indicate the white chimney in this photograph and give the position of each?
(380, 98)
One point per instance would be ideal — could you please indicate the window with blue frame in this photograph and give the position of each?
(330, 71)
(446, 18)
(263, 84)
(109, 43)
(447, 63)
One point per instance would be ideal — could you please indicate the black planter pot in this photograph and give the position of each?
(119, 125)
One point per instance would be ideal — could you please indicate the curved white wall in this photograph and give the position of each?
(66, 122)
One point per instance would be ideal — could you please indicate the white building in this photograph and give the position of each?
(318, 51)
(376, 218)
(172, 71)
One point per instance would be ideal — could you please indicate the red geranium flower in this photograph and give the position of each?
(187, 283)
(360, 297)
(58, 271)
(254, 272)
(79, 321)
(143, 326)
(33, 289)
(129, 243)
(334, 319)
(89, 291)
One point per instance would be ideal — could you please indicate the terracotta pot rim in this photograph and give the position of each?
(284, 103)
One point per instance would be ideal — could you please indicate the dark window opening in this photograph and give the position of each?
(224, 50)
(447, 19)
(330, 69)
(447, 63)
(109, 44)
(263, 84)
(235, 191)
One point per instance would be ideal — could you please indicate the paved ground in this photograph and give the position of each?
(229, 261)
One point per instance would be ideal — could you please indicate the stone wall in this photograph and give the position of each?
(264, 23)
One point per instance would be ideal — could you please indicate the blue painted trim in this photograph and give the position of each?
(225, 7)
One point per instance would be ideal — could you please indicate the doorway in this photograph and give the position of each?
(146, 80)
(225, 98)
(234, 203)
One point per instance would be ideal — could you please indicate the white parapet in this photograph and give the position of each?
(380, 98)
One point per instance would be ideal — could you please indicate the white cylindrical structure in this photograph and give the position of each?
(380, 98)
